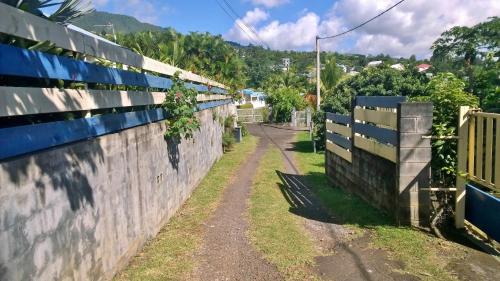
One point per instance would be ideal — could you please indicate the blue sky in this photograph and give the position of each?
(293, 24)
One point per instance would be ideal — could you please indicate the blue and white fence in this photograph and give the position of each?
(150, 82)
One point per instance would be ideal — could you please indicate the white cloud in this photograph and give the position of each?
(269, 3)
(410, 28)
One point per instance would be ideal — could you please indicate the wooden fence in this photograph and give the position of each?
(477, 202)
(339, 135)
(372, 127)
(149, 79)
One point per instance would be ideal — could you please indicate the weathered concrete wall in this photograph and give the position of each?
(395, 187)
(80, 212)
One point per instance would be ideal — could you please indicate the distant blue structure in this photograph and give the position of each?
(258, 99)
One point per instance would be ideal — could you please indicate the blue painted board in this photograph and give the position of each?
(380, 134)
(483, 211)
(21, 140)
(339, 140)
(338, 118)
(22, 62)
(379, 101)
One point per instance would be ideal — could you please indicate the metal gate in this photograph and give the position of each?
(478, 180)
(251, 115)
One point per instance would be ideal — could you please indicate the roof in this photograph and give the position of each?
(252, 93)
(373, 63)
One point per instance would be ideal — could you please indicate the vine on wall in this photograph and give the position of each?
(180, 103)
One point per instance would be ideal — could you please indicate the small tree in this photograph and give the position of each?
(447, 94)
(283, 101)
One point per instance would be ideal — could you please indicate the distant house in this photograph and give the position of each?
(423, 67)
(398, 66)
(374, 63)
(249, 96)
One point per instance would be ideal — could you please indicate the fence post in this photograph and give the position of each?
(413, 163)
(463, 139)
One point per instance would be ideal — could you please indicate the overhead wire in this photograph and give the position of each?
(362, 24)
(237, 23)
(249, 27)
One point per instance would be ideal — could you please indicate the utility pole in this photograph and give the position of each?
(318, 75)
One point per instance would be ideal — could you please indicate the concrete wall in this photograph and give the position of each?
(395, 187)
(79, 212)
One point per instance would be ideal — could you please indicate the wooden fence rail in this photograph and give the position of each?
(131, 98)
(339, 135)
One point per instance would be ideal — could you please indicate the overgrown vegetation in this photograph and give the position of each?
(273, 227)
(180, 103)
(228, 139)
(169, 256)
(283, 101)
(421, 252)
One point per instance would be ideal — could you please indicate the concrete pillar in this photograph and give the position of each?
(413, 163)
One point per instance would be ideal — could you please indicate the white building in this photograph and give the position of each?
(249, 96)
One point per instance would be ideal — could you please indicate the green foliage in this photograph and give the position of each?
(121, 23)
(265, 114)
(180, 103)
(469, 53)
(244, 129)
(246, 106)
(283, 101)
(200, 53)
(228, 141)
(66, 11)
(446, 92)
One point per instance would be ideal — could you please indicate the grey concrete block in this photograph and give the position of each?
(408, 125)
(415, 109)
(410, 140)
(419, 154)
(424, 125)
(414, 169)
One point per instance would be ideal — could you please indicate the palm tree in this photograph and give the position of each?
(67, 11)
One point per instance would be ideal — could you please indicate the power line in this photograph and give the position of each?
(237, 23)
(249, 27)
(364, 23)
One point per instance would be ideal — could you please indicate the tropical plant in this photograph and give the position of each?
(283, 101)
(66, 12)
(447, 94)
(180, 103)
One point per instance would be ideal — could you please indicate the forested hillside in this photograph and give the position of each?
(121, 23)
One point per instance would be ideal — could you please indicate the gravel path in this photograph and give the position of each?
(226, 253)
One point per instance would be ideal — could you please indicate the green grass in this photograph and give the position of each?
(276, 232)
(418, 250)
(169, 255)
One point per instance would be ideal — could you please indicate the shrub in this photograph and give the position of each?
(446, 92)
(245, 106)
(227, 141)
(180, 103)
(283, 101)
(244, 129)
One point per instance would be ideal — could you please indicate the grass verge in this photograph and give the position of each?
(418, 250)
(277, 233)
(169, 255)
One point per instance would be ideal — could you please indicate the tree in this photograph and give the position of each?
(467, 52)
(67, 10)
(283, 101)
(447, 93)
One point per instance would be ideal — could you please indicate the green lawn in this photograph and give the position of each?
(274, 230)
(418, 250)
(169, 255)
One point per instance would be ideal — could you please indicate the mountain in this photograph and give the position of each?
(121, 23)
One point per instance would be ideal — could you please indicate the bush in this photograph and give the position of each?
(446, 92)
(227, 141)
(246, 106)
(244, 129)
(265, 114)
(283, 101)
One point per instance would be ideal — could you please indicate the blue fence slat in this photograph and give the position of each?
(379, 101)
(20, 140)
(482, 210)
(339, 139)
(211, 104)
(380, 134)
(338, 118)
(27, 63)
(217, 90)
